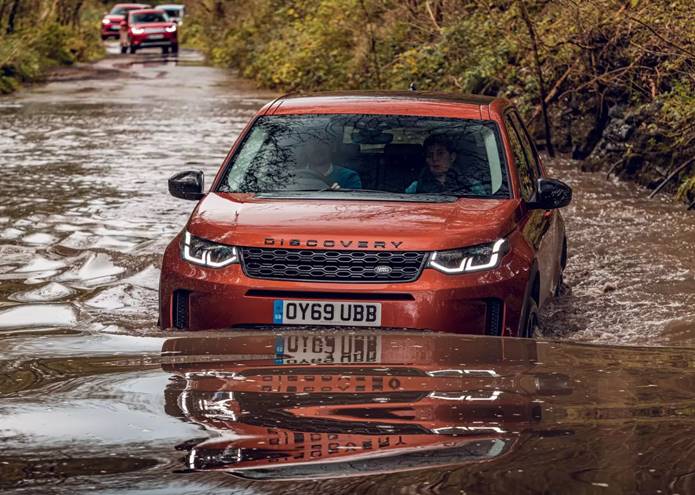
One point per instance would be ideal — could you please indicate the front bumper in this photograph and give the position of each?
(145, 41)
(198, 298)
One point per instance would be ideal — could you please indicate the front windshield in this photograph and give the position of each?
(368, 154)
(147, 17)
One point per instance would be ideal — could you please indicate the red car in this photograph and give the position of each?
(148, 28)
(384, 210)
(301, 405)
(111, 23)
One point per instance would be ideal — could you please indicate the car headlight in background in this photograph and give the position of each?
(207, 253)
(470, 259)
(138, 30)
(171, 28)
(105, 21)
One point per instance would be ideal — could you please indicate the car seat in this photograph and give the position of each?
(401, 165)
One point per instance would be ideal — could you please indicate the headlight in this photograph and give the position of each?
(171, 28)
(471, 259)
(105, 21)
(207, 253)
(138, 30)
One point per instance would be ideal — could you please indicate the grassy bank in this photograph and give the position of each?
(612, 81)
(36, 36)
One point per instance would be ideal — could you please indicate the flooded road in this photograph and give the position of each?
(95, 399)
(88, 216)
(631, 268)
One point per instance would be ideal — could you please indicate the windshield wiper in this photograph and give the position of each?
(466, 194)
(326, 189)
(345, 189)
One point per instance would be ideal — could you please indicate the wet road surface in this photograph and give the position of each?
(90, 402)
(339, 413)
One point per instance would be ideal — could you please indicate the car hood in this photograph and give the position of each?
(245, 220)
(114, 18)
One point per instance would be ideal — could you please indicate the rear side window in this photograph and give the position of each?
(523, 164)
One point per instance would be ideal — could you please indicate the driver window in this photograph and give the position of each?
(529, 149)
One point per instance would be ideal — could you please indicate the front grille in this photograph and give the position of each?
(332, 266)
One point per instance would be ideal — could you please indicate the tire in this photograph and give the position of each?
(124, 50)
(175, 48)
(165, 50)
(530, 321)
(561, 288)
(132, 49)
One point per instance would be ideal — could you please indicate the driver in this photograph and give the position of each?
(317, 157)
(440, 175)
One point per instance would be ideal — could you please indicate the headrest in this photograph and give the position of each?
(403, 150)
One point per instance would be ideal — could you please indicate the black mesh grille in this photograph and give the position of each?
(332, 266)
(180, 309)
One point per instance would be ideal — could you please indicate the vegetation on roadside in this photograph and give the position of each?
(608, 80)
(37, 35)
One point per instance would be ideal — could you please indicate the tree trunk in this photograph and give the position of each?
(539, 75)
(75, 18)
(12, 17)
(3, 6)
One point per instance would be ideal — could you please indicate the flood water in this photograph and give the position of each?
(95, 398)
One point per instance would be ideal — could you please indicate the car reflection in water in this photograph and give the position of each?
(304, 405)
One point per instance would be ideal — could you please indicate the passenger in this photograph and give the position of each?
(440, 175)
(317, 157)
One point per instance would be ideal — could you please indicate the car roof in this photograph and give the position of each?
(389, 102)
(122, 5)
(170, 6)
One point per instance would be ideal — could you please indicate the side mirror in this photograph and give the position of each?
(551, 194)
(187, 185)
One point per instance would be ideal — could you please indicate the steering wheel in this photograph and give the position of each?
(309, 175)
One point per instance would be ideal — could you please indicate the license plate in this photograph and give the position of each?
(155, 36)
(327, 349)
(327, 313)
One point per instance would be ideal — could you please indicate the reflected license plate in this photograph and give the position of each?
(327, 349)
(327, 313)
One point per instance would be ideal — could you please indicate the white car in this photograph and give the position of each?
(174, 11)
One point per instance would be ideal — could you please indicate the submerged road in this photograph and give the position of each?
(85, 213)
(95, 398)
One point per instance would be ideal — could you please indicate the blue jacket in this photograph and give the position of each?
(346, 178)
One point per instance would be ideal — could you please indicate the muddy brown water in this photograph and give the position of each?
(90, 403)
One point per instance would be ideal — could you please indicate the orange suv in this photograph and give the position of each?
(383, 210)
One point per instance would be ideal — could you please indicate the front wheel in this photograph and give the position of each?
(165, 50)
(175, 48)
(133, 49)
(124, 50)
(530, 321)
